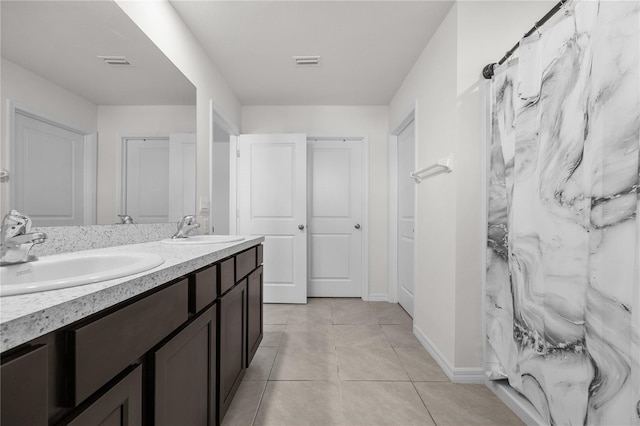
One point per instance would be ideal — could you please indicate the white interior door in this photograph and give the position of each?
(182, 175)
(146, 180)
(406, 209)
(272, 201)
(49, 170)
(335, 216)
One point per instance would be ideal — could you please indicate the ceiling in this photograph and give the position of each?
(366, 47)
(60, 41)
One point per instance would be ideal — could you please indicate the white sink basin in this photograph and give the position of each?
(72, 269)
(204, 239)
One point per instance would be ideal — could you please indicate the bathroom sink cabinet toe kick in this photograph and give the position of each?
(172, 356)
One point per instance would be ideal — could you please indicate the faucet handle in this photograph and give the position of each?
(125, 219)
(14, 223)
(186, 221)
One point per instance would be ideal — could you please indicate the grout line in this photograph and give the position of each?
(424, 403)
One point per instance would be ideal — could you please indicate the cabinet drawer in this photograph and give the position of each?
(227, 274)
(103, 348)
(24, 388)
(260, 254)
(205, 288)
(245, 263)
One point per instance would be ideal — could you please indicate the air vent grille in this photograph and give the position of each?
(307, 61)
(116, 61)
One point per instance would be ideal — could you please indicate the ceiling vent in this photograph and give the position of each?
(116, 61)
(307, 61)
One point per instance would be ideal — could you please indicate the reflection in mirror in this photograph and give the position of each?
(98, 121)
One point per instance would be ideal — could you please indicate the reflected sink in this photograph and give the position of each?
(204, 239)
(72, 269)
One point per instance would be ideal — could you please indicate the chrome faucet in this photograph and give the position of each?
(185, 226)
(125, 219)
(16, 239)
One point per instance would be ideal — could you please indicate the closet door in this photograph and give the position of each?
(272, 201)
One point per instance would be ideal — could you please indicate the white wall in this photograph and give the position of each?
(341, 121)
(115, 122)
(40, 96)
(162, 24)
(432, 81)
(445, 81)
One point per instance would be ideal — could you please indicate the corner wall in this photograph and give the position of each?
(450, 242)
(368, 121)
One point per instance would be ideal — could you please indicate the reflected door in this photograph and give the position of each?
(406, 209)
(53, 173)
(272, 201)
(335, 215)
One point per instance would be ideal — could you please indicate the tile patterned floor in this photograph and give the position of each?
(349, 362)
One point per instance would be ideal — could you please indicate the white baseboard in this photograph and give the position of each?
(456, 375)
(516, 402)
(378, 298)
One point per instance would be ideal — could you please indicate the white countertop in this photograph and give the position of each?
(25, 317)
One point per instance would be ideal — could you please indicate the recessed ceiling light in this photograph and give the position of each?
(116, 61)
(307, 61)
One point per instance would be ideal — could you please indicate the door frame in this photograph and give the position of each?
(90, 158)
(392, 277)
(216, 117)
(364, 207)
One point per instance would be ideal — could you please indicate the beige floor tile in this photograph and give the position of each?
(276, 313)
(360, 335)
(245, 404)
(310, 314)
(305, 363)
(464, 404)
(261, 364)
(401, 336)
(369, 364)
(308, 335)
(301, 403)
(420, 366)
(272, 334)
(361, 314)
(351, 302)
(395, 315)
(383, 403)
(321, 301)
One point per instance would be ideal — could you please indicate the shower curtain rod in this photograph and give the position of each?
(487, 71)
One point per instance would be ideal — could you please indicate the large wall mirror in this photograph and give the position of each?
(96, 121)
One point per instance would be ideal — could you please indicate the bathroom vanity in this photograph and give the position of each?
(165, 347)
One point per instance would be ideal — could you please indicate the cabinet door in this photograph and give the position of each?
(254, 313)
(185, 375)
(120, 405)
(24, 388)
(232, 343)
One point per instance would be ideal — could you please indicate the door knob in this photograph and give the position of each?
(357, 226)
(301, 227)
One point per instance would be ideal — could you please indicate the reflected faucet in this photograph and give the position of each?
(16, 239)
(185, 226)
(125, 219)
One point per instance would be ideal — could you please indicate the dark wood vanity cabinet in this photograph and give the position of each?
(173, 356)
(184, 375)
(119, 405)
(254, 313)
(24, 387)
(233, 317)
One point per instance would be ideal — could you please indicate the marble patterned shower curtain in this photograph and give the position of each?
(563, 252)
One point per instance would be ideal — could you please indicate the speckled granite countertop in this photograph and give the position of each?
(25, 317)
